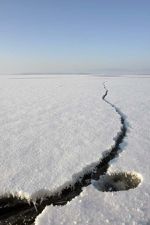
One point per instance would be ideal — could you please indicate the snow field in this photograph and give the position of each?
(132, 97)
(50, 130)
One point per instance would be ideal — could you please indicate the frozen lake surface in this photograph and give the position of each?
(50, 130)
(54, 128)
(132, 97)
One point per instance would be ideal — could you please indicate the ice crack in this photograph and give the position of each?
(16, 211)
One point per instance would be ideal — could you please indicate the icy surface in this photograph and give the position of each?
(132, 96)
(50, 129)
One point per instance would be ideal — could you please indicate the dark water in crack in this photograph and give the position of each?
(16, 211)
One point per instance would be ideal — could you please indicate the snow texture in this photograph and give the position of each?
(132, 96)
(51, 128)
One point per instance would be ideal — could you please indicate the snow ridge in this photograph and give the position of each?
(20, 211)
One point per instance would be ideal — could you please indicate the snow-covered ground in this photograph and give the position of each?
(132, 207)
(51, 128)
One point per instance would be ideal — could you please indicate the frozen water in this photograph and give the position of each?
(50, 129)
(132, 96)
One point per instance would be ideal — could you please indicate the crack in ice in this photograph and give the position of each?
(16, 211)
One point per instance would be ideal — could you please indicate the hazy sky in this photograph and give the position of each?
(102, 36)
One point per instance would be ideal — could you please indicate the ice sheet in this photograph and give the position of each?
(132, 96)
(50, 129)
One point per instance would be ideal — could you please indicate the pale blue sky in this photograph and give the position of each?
(96, 36)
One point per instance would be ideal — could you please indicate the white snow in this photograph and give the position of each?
(132, 97)
(51, 128)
